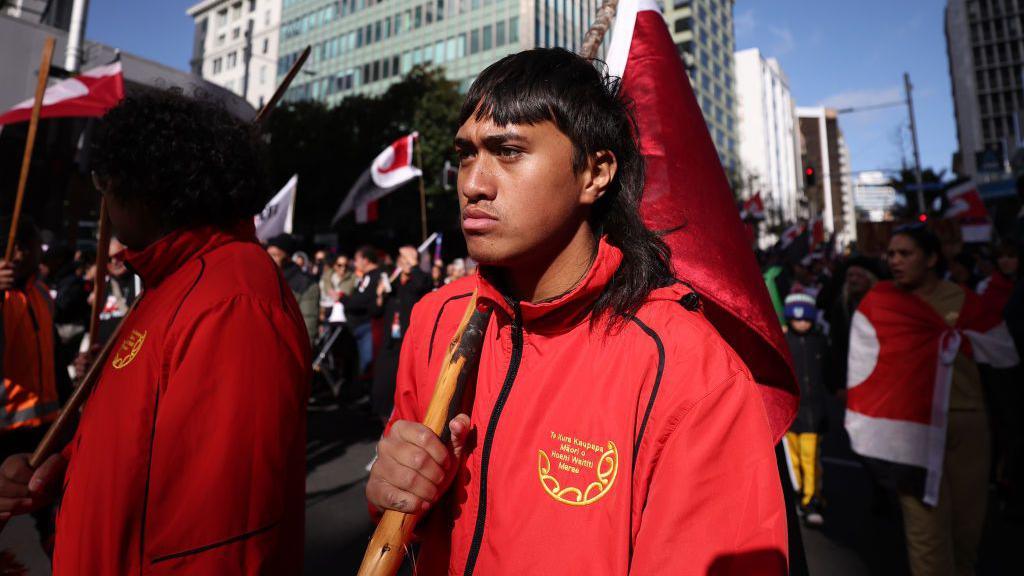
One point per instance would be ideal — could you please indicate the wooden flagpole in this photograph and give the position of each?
(26, 160)
(423, 191)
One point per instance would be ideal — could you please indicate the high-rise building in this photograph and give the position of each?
(364, 46)
(235, 45)
(874, 196)
(55, 13)
(768, 134)
(829, 190)
(985, 47)
(703, 33)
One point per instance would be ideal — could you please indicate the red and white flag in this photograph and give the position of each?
(899, 375)
(687, 191)
(817, 232)
(967, 207)
(390, 169)
(753, 208)
(91, 93)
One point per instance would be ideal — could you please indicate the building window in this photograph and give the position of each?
(487, 34)
(252, 6)
(232, 60)
(474, 41)
(236, 33)
(263, 74)
(266, 45)
(499, 34)
(440, 10)
(236, 11)
(418, 18)
(266, 18)
(513, 30)
(451, 48)
(683, 25)
(394, 65)
(217, 65)
(222, 18)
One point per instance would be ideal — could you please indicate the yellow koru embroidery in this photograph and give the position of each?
(580, 459)
(129, 349)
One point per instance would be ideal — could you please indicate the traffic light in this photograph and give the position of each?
(810, 178)
(922, 218)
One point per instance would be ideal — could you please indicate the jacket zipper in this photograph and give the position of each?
(492, 425)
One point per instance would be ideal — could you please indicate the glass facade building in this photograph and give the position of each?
(364, 46)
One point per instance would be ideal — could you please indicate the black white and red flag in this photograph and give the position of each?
(753, 208)
(89, 94)
(389, 171)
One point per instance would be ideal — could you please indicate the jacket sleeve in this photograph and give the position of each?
(310, 307)
(714, 503)
(227, 470)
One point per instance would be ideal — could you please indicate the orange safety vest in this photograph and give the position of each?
(28, 391)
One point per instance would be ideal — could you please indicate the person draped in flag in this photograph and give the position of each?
(916, 408)
(612, 430)
(189, 457)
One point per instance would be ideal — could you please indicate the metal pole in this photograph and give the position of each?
(913, 135)
(73, 55)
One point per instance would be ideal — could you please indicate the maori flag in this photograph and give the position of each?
(687, 193)
(899, 376)
(753, 208)
(390, 169)
(91, 93)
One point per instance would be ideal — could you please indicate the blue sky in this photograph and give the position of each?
(835, 52)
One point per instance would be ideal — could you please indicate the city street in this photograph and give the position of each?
(861, 537)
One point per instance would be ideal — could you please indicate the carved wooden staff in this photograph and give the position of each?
(386, 551)
(30, 142)
(63, 424)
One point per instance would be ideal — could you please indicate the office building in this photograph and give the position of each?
(768, 135)
(830, 191)
(235, 46)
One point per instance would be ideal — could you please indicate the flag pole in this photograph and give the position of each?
(279, 93)
(602, 22)
(26, 160)
(423, 191)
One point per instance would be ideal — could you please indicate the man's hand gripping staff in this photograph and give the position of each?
(414, 466)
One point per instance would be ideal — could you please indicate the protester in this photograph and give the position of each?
(29, 401)
(320, 264)
(304, 287)
(361, 305)
(456, 270)
(902, 377)
(609, 416)
(810, 351)
(337, 282)
(409, 286)
(190, 452)
(856, 280)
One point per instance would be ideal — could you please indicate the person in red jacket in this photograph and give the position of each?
(612, 431)
(189, 457)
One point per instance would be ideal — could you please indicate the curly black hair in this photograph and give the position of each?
(187, 159)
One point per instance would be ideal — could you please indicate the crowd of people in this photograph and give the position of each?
(819, 295)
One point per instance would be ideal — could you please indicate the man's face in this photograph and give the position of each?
(521, 200)
(360, 263)
(858, 280)
(26, 258)
(115, 266)
(279, 256)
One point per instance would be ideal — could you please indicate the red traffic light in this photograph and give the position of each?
(809, 171)
(922, 217)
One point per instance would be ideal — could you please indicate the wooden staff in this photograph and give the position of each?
(30, 142)
(602, 22)
(386, 551)
(279, 93)
(62, 425)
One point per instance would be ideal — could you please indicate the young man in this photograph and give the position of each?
(304, 287)
(611, 430)
(190, 454)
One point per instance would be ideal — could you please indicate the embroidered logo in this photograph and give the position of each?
(583, 471)
(129, 349)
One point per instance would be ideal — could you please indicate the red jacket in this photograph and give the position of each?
(28, 389)
(190, 454)
(646, 451)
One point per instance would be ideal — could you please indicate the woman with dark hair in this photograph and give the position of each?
(609, 419)
(190, 452)
(916, 408)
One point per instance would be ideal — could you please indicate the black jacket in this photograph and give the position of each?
(361, 305)
(811, 362)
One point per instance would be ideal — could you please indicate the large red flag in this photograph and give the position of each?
(91, 93)
(687, 192)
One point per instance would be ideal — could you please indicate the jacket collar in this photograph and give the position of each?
(567, 310)
(163, 257)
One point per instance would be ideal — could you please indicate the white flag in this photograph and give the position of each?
(276, 218)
